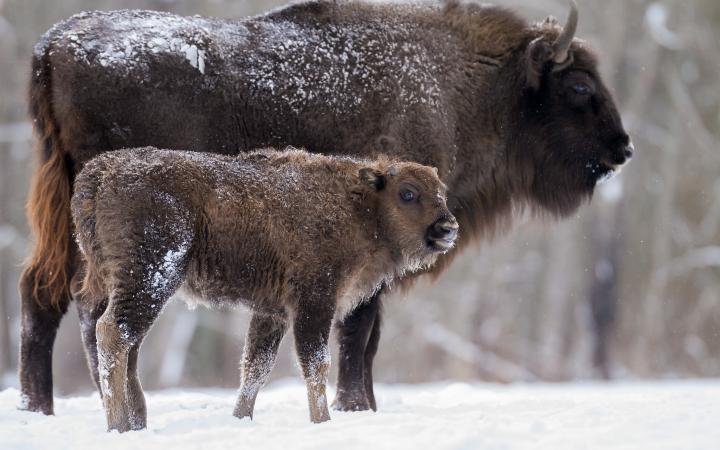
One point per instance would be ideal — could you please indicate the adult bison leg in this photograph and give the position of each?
(39, 323)
(354, 335)
(370, 352)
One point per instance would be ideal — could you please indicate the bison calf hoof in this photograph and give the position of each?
(245, 405)
(119, 427)
(320, 418)
(125, 424)
(242, 413)
(350, 401)
(125, 427)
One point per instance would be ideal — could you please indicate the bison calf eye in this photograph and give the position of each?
(407, 195)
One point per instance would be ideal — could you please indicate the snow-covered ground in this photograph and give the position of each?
(627, 415)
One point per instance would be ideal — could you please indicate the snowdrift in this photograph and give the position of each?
(627, 415)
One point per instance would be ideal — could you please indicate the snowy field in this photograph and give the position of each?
(628, 415)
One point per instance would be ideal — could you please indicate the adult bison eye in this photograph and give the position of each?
(407, 195)
(581, 89)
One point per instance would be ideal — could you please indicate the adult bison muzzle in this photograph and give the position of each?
(512, 114)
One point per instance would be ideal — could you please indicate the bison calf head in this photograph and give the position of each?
(413, 214)
(573, 135)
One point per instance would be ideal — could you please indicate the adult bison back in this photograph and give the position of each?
(512, 114)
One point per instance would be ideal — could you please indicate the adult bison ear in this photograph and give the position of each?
(540, 52)
(373, 178)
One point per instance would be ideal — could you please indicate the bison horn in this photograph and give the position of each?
(561, 46)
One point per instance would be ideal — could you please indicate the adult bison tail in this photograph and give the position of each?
(48, 205)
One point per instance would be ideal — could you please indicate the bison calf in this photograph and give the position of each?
(298, 238)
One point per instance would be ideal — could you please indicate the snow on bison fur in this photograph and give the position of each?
(513, 114)
(297, 237)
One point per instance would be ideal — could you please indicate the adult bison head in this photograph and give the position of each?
(572, 135)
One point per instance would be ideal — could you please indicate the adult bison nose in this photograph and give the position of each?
(625, 154)
(442, 234)
(622, 153)
(629, 151)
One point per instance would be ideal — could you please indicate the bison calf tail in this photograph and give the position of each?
(84, 211)
(93, 284)
(48, 205)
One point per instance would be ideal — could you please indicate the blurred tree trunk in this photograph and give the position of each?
(606, 240)
(7, 45)
(5, 272)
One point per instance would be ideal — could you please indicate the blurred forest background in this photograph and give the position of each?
(627, 288)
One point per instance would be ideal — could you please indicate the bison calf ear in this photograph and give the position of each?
(539, 53)
(372, 177)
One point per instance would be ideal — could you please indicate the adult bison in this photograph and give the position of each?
(513, 114)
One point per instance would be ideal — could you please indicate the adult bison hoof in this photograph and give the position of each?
(351, 401)
(26, 404)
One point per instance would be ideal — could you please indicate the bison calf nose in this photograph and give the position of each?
(442, 234)
(446, 229)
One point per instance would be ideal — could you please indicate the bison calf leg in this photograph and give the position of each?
(312, 332)
(89, 311)
(113, 351)
(40, 321)
(120, 332)
(261, 346)
(136, 398)
(355, 333)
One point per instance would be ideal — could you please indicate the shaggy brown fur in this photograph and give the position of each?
(298, 238)
(473, 90)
